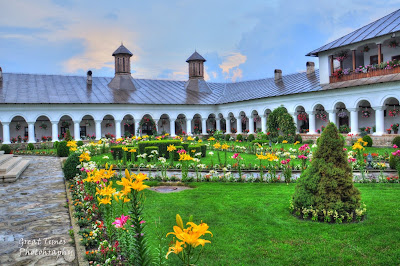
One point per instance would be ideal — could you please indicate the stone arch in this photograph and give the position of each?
(87, 127)
(211, 123)
(321, 117)
(342, 114)
(181, 124)
(233, 122)
(18, 129)
(197, 123)
(390, 105)
(108, 129)
(128, 125)
(65, 123)
(302, 124)
(255, 121)
(164, 124)
(43, 128)
(147, 125)
(244, 120)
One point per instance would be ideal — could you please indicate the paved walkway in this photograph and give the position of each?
(34, 222)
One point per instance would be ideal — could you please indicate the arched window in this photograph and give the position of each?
(123, 64)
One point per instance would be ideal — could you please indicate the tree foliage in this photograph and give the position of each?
(281, 123)
(328, 182)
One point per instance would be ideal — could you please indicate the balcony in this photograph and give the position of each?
(369, 74)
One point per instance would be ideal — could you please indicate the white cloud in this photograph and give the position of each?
(230, 65)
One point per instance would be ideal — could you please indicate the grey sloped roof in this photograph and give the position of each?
(122, 50)
(58, 89)
(263, 88)
(195, 57)
(386, 25)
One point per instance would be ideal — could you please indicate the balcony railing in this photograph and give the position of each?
(369, 74)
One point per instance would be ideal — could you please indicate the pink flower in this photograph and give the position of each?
(287, 160)
(344, 149)
(395, 146)
(142, 222)
(302, 157)
(304, 147)
(235, 156)
(396, 153)
(83, 169)
(121, 221)
(283, 162)
(351, 160)
(181, 151)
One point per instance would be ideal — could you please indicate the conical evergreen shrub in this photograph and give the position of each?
(325, 191)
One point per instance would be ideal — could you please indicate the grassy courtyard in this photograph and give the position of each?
(252, 226)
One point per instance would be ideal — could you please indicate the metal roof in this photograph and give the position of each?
(122, 50)
(386, 25)
(195, 57)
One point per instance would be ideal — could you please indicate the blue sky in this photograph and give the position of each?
(241, 40)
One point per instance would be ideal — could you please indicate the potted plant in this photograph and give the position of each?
(302, 116)
(393, 44)
(365, 49)
(389, 130)
(395, 128)
(43, 126)
(342, 114)
(18, 126)
(341, 56)
(366, 113)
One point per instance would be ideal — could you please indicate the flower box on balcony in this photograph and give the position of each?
(371, 73)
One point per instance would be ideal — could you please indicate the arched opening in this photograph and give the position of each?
(64, 125)
(366, 117)
(244, 120)
(391, 114)
(211, 124)
(18, 130)
(233, 122)
(87, 127)
(256, 120)
(108, 126)
(321, 118)
(180, 125)
(164, 125)
(222, 122)
(196, 124)
(147, 125)
(43, 129)
(128, 125)
(342, 117)
(302, 120)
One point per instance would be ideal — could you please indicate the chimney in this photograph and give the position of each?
(310, 68)
(89, 77)
(1, 75)
(278, 74)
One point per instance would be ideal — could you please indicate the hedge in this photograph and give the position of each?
(161, 144)
(176, 154)
(193, 149)
(118, 153)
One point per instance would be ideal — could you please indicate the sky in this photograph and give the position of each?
(241, 40)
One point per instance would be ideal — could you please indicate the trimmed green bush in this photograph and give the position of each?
(193, 149)
(79, 143)
(203, 150)
(55, 144)
(161, 144)
(281, 123)
(30, 147)
(70, 170)
(327, 184)
(280, 139)
(396, 141)
(62, 149)
(118, 153)
(309, 142)
(239, 137)
(185, 146)
(298, 138)
(393, 161)
(368, 139)
(260, 141)
(227, 137)
(6, 148)
(68, 136)
(250, 137)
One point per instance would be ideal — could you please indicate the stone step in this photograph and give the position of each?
(17, 170)
(5, 157)
(9, 164)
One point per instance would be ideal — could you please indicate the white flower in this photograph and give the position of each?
(154, 152)
(198, 154)
(162, 159)
(314, 146)
(105, 157)
(211, 153)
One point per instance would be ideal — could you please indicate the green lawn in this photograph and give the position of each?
(252, 226)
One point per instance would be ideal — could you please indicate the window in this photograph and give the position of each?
(26, 132)
(83, 131)
(373, 60)
(396, 57)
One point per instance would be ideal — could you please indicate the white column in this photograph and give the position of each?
(264, 123)
(311, 122)
(228, 125)
(332, 116)
(353, 120)
(117, 129)
(189, 126)
(98, 129)
(204, 126)
(218, 122)
(379, 120)
(172, 127)
(31, 132)
(239, 124)
(295, 121)
(6, 132)
(77, 130)
(54, 130)
(251, 125)
(137, 126)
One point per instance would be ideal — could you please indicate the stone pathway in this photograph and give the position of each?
(34, 221)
